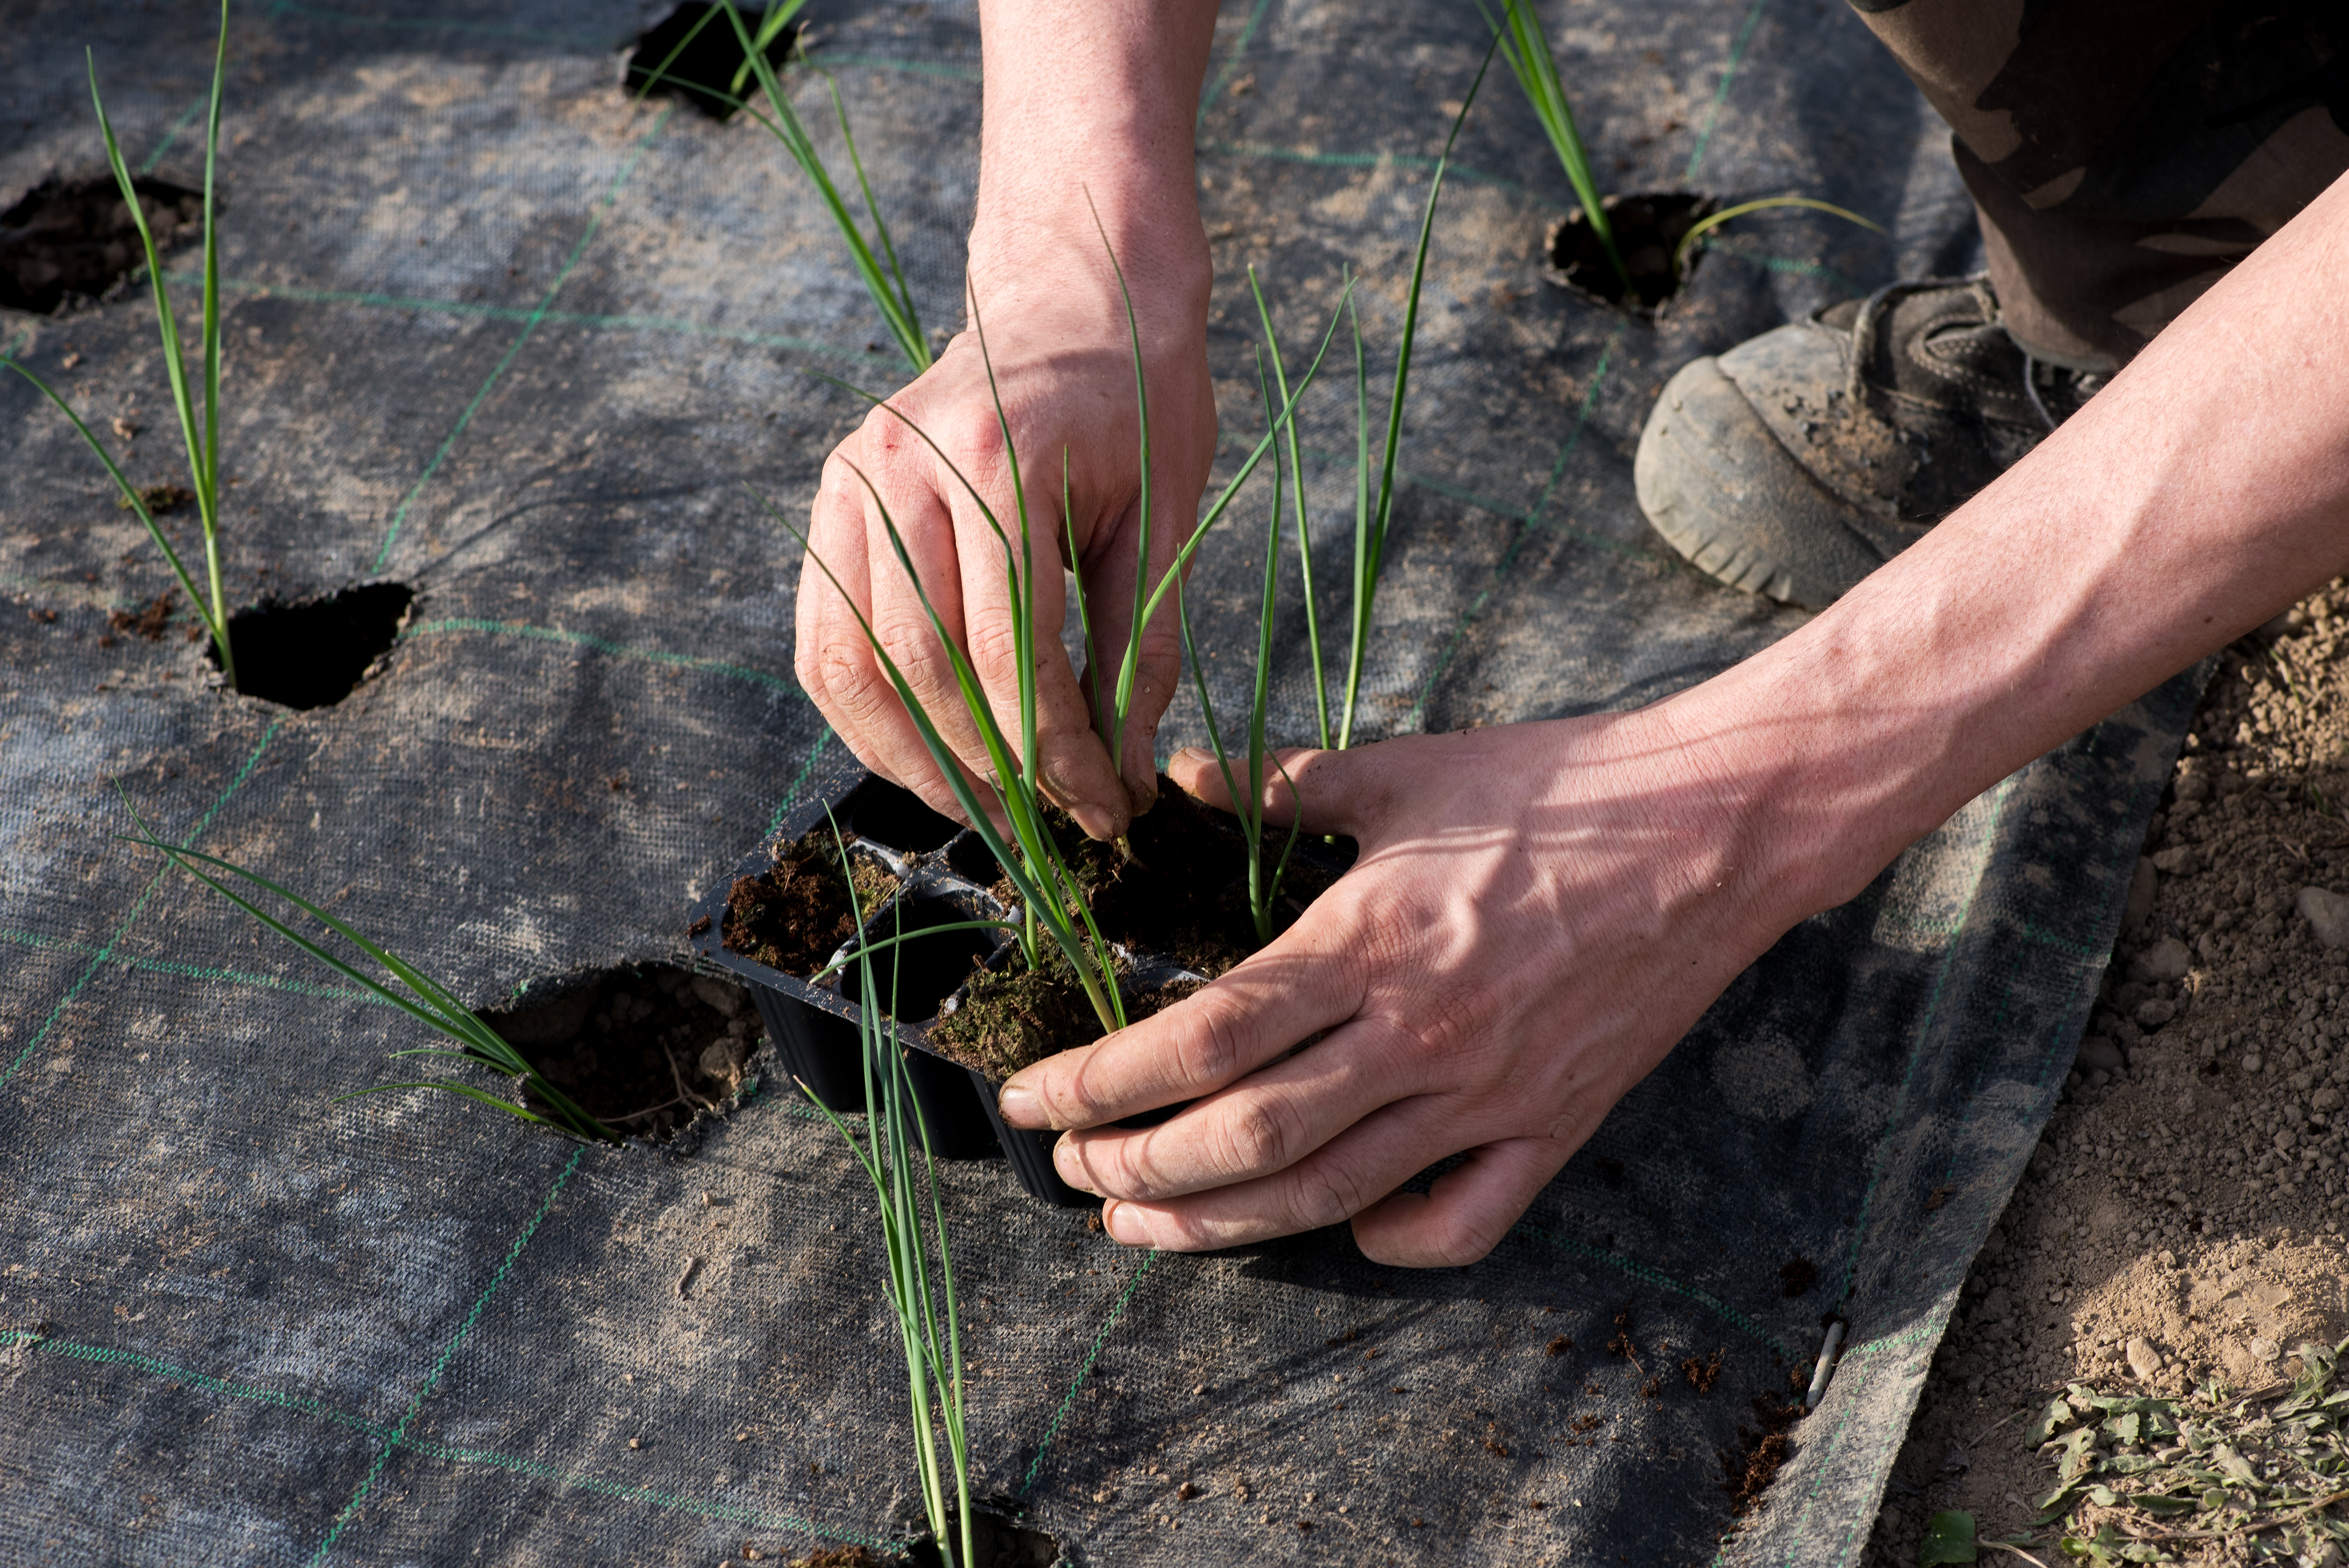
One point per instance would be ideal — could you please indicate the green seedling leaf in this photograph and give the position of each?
(1948, 1538)
(2057, 1416)
(2103, 1496)
(1523, 45)
(2125, 1428)
(2074, 1456)
(1698, 229)
(200, 436)
(2234, 1465)
(2155, 1502)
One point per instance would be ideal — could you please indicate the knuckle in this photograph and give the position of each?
(1326, 1193)
(993, 644)
(1460, 1236)
(914, 647)
(1214, 1049)
(1261, 1133)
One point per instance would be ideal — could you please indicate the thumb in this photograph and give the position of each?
(1322, 791)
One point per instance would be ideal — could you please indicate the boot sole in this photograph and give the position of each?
(1726, 494)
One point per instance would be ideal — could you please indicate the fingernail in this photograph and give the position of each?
(1123, 1225)
(1096, 822)
(1021, 1106)
(1070, 1165)
(1190, 757)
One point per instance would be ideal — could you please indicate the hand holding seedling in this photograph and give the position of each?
(1084, 141)
(1541, 910)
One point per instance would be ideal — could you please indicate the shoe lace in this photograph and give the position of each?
(1873, 312)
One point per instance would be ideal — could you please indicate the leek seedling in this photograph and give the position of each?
(884, 278)
(1053, 903)
(1248, 804)
(1527, 48)
(1373, 508)
(202, 437)
(929, 1319)
(423, 998)
(1714, 220)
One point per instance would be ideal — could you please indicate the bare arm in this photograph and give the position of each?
(1542, 911)
(1089, 108)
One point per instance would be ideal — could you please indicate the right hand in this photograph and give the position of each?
(1057, 334)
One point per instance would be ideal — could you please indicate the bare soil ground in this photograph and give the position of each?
(2181, 1226)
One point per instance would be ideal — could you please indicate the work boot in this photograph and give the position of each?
(1802, 460)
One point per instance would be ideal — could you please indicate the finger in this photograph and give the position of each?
(1467, 1211)
(1324, 792)
(1074, 769)
(1306, 981)
(1109, 569)
(1329, 1186)
(834, 658)
(905, 601)
(1265, 1123)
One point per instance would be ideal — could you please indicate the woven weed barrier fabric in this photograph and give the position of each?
(498, 334)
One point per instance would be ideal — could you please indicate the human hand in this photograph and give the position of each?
(1085, 150)
(1540, 911)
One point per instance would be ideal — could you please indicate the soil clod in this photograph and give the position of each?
(795, 914)
(1648, 228)
(644, 1051)
(71, 240)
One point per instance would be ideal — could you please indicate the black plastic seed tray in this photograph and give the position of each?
(944, 871)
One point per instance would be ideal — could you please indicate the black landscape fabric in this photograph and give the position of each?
(501, 335)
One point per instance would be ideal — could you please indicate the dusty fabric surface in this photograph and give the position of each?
(500, 334)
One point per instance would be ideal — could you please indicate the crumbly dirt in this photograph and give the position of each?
(1647, 228)
(74, 239)
(2181, 1224)
(1181, 893)
(795, 915)
(644, 1051)
(1012, 1019)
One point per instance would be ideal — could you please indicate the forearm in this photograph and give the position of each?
(1091, 101)
(2206, 489)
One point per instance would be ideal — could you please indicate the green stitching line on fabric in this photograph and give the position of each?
(432, 24)
(791, 795)
(171, 133)
(1731, 246)
(108, 1356)
(1640, 1271)
(1239, 50)
(1362, 161)
(2006, 793)
(1052, 1432)
(100, 958)
(526, 313)
(911, 67)
(595, 224)
(105, 1355)
(192, 971)
(1720, 93)
(398, 1437)
(1861, 1361)
(601, 645)
(1526, 525)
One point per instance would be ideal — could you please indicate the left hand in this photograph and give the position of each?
(1540, 910)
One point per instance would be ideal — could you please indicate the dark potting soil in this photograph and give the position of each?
(68, 240)
(1183, 894)
(1014, 1017)
(996, 1542)
(643, 1050)
(310, 652)
(1750, 1468)
(703, 71)
(795, 915)
(1648, 228)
